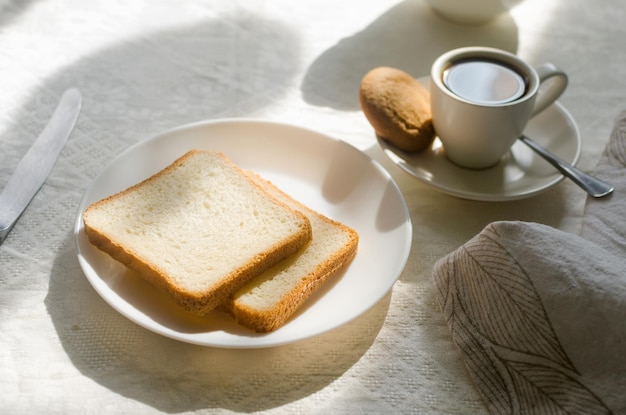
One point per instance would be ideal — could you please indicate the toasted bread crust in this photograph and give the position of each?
(199, 303)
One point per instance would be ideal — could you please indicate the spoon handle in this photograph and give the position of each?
(595, 187)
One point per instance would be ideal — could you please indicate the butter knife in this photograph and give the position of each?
(32, 171)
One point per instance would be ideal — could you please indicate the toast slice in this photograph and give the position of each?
(199, 229)
(268, 301)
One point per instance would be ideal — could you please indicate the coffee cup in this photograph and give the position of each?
(482, 98)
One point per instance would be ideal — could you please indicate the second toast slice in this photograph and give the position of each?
(269, 300)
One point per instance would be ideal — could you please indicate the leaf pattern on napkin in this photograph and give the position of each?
(498, 320)
(551, 390)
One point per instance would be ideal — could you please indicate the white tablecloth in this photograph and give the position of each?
(145, 66)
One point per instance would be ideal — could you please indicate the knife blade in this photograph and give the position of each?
(34, 168)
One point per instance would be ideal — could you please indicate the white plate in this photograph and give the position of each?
(520, 174)
(324, 173)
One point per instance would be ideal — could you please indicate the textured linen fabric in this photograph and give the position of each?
(603, 218)
(145, 66)
(538, 314)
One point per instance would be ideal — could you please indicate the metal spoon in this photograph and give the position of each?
(595, 187)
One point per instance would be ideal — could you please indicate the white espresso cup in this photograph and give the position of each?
(482, 98)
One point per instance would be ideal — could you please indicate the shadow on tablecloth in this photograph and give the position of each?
(177, 377)
(409, 37)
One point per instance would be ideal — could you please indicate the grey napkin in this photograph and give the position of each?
(539, 314)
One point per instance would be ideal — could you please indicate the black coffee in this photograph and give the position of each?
(484, 81)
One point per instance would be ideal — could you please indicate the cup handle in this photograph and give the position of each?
(553, 90)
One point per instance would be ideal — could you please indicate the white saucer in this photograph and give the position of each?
(326, 174)
(520, 174)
